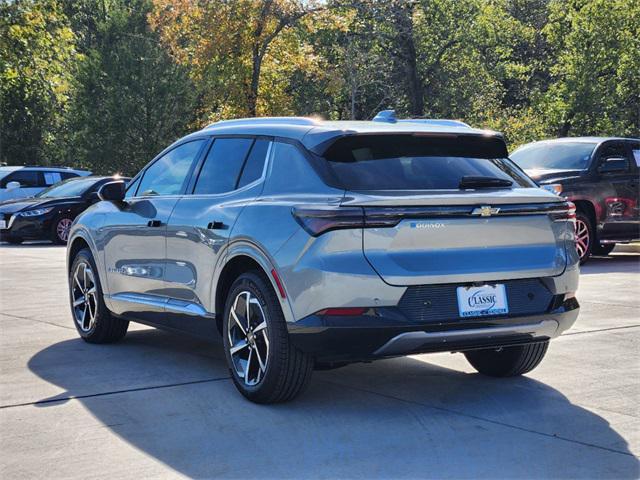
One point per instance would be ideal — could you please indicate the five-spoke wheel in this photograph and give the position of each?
(248, 338)
(83, 294)
(264, 365)
(93, 320)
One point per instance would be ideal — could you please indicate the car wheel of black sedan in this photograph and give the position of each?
(92, 318)
(60, 230)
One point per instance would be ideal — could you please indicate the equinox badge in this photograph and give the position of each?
(485, 211)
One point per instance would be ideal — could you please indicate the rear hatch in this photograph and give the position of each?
(449, 210)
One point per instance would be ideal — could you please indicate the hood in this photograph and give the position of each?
(548, 175)
(18, 205)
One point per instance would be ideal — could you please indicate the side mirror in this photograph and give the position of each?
(614, 165)
(13, 185)
(112, 191)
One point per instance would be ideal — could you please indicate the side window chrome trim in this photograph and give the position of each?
(267, 162)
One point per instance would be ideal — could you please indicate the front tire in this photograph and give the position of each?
(93, 321)
(60, 230)
(508, 361)
(584, 236)
(264, 365)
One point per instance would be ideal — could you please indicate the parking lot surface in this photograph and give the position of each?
(162, 405)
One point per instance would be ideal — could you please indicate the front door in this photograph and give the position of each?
(134, 235)
(230, 176)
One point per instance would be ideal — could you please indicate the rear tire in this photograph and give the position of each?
(508, 361)
(603, 249)
(91, 317)
(265, 366)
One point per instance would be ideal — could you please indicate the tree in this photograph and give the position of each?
(226, 43)
(595, 86)
(37, 58)
(130, 98)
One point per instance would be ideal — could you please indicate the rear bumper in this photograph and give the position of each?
(384, 333)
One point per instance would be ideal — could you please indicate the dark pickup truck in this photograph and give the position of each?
(601, 176)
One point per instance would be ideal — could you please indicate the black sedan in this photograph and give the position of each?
(49, 215)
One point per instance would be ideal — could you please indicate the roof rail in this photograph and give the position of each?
(265, 120)
(389, 116)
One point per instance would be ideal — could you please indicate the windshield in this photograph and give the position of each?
(404, 162)
(554, 156)
(73, 187)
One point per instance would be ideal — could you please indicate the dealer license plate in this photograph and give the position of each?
(482, 301)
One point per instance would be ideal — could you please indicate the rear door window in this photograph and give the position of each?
(27, 179)
(222, 167)
(52, 177)
(405, 162)
(254, 165)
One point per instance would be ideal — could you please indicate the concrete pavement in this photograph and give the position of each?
(162, 405)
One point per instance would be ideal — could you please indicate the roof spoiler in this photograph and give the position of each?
(389, 116)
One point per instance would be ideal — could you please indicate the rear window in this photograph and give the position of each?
(411, 162)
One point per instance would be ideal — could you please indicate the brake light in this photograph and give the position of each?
(318, 220)
(346, 311)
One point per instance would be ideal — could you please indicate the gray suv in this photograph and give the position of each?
(309, 244)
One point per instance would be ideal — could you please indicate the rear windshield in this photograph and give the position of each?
(555, 156)
(409, 162)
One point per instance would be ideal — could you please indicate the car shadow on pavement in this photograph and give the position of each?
(616, 263)
(170, 397)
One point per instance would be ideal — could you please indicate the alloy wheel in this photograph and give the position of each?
(248, 338)
(582, 237)
(62, 229)
(84, 297)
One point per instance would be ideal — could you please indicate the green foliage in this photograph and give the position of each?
(105, 84)
(37, 54)
(131, 99)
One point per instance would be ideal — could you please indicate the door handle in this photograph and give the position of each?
(215, 225)
(154, 223)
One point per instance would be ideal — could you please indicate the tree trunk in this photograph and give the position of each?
(252, 98)
(403, 21)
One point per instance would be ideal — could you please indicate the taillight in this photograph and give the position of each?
(318, 220)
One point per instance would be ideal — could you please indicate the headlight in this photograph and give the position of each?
(553, 188)
(34, 213)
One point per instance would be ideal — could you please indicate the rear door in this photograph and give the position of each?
(231, 175)
(618, 193)
(134, 234)
(423, 227)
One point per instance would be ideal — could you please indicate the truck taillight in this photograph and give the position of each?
(565, 212)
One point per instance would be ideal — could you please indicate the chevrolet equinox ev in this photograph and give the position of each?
(309, 244)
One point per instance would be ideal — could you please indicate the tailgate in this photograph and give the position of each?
(466, 242)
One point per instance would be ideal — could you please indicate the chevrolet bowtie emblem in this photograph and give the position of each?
(485, 211)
